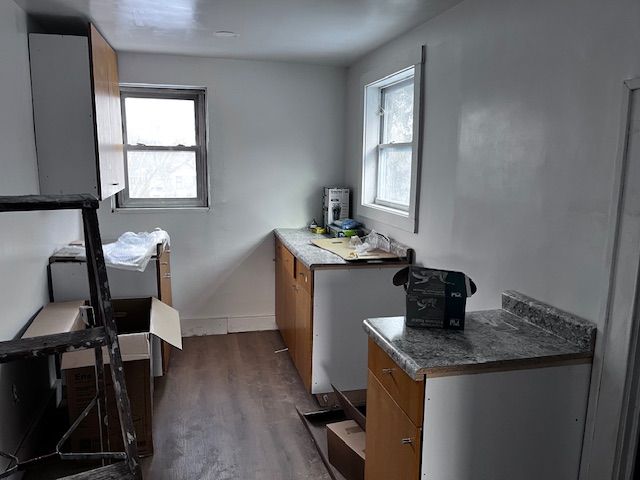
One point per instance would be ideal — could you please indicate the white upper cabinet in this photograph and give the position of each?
(77, 116)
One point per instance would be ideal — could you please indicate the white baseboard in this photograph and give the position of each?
(197, 327)
(252, 324)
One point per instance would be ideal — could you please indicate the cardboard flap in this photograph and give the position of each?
(56, 318)
(165, 323)
(132, 347)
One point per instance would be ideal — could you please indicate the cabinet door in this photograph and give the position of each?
(163, 272)
(285, 296)
(279, 290)
(303, 332)
(108, 116)
(289, 313)
(393, 441)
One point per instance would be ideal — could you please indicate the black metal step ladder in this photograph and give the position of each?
(102, 333)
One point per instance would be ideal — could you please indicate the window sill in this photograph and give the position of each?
(390, 210)
(161, 210)
(389, 216)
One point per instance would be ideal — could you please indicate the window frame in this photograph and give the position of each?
(372, 207)
(198, 95)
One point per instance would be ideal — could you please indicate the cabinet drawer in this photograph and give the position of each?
(406, 392)
(393, 442)
(304, 276)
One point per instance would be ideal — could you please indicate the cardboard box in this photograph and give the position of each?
(335, 205)
(435, 298)
(346, 445)
(140, 323)
(81, 387)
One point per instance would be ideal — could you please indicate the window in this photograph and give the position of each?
(164, 148)
(391, 148)
(393, 185)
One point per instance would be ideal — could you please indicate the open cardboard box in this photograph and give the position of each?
(140, 322)
(346, 440)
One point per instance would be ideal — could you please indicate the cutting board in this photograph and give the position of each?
(341, 247)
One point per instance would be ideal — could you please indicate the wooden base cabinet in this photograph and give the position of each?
(294, 290)
(476, 423)
(395, 405)
(319, 313)
(393, 445)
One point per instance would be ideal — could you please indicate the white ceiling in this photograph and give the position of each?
(317, 31)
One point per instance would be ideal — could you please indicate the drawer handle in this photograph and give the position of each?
(166, 275)
(406, 441)
(388, 371)
(164, 263)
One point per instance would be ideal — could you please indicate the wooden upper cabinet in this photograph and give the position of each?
(77, 116)
(108, 114)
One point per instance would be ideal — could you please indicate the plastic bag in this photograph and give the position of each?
(132, 251)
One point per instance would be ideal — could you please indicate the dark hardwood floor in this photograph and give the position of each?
(227, 411)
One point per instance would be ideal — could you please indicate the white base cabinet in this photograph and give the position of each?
(519, 424)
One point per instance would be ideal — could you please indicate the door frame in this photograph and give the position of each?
(627, 443)
(611, 431)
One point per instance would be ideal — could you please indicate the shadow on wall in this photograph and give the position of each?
(23, 395)
(244, 289)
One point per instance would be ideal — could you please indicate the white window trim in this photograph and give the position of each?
(384, 212)
(121, 202)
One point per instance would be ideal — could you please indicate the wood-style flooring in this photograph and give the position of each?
(227, 411)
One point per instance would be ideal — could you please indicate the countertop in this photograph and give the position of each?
(298, 242)
(524, 333)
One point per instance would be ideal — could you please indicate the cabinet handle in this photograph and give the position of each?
(406, 441)
(166, 275)
(115, 184)
(164, 263)
(388, 371)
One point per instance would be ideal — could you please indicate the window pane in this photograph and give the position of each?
(160, 121)
(394, 175)
(398, 112)
(162, 174)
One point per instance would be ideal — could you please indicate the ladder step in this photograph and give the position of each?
(28, 203)
(117, 471)
(47, 344)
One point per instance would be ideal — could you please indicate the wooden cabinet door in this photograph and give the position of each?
(163, 272)
(285, 296)
(279, 290)
(289, 313)
(108, 115)
(303, 334)
(393, 441)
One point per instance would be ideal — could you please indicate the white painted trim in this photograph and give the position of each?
(406, 220)
(627, 443)
(198, 327)
(252, 324)
(604, 398)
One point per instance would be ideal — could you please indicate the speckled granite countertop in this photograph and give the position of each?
(298, 242)
(524, 332)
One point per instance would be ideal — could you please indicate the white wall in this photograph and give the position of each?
(522, 118)
(26, 240)
(275, 139)
(521, 127)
